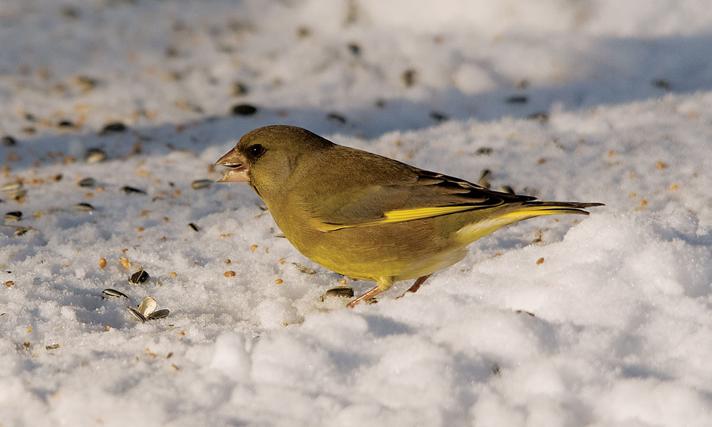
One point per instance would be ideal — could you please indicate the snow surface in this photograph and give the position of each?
(601, 321)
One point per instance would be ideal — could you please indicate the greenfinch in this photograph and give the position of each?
(367, 216)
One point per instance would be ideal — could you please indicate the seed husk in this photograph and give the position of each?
(303, 268)
(201, 183)
(52, 347)
(88, 182)
(11, 187)
(159, 314)
(8, 141)
(84, 207)
(136, 314)
(132, 190)
(95, 155)
(244, 110)
(113, 127)
(108, 292)
(148, 305)
(139, 277)
(19, 231)
(13, 216)
(339, 292)
(193, 226)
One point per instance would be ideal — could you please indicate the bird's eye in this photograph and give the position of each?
(255, 151)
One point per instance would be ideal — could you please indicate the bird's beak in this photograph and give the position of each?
(237, 169)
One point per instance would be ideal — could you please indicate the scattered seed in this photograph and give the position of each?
(336, 117)
(540, 261)
(87, 182)
(136, 314)
(228, 261)
(139, 277)
(108, 292)
(483, 151)
(540, 116)
(159, 314)
(102, 262)
(278, 281)
(517, 99)
(9, 284)
(65, 124)
(303, 268)
(84, 207)
(354, 48)
(409, 77)
(193, 226)
(340, 292)
(244, 110)
(201, 183)
(660, 165)
(438, 116)
(229, 273)
(124, 262)
(8, 141)
(11, 187)
(95, 155)
(661, 84)
(239, 89)
(253, 247)
(52, 347)
(132, 190)
(113, 127)
(13, 216)
(19, 231)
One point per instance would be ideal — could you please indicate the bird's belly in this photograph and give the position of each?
(396, 251)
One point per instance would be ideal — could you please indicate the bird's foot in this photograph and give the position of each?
(368, 297)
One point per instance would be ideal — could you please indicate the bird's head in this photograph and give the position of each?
(267, 156)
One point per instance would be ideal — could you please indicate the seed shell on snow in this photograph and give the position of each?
(339, 292)
(201, 183)
(108, 292)
(139, 277)
(13, 216)
(132, 190)
(87, 182)
(95, 155)
(84, 207)
(147, 306)
(193, 226)
(159, 314)
(136, 314)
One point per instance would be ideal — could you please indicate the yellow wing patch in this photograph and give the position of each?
(401, 215)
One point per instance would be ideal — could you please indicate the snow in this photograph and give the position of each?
(600, 321)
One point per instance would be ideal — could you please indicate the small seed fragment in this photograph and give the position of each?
(19, 231)
(88, 182)
(113, 127)
(244, 110)
(193, 226)
(52, 347)
(124, 262)
(102, 262)
(9, 284)
(201, 183)
(540, 261)
(11, 187)
(229, 273)
(139, 277)
(108, 292)
(84, 207)
(13, 216)
(95, 155)
(132, 190)
(303, 268)
(8, 141)
(278, 281)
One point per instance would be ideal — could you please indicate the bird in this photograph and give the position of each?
(367, 216)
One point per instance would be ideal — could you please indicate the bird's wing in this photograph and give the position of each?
(414, 195)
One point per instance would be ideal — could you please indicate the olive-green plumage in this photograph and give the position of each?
(367, 216)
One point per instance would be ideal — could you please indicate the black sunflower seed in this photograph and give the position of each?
(138, 277)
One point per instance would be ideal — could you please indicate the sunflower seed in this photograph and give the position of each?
(244, 110)
(113, 127)
(84, 207)
(340, 292)
(13, 216)
(108, 292)
(201, 183)
(87, 182)
(148, 305)
(129, 190)
(95, 155)
(11, 187)
(136, 314)
(139, 277)
(193, 226)
(19, 231)
(159, 314)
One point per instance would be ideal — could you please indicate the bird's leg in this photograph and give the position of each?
(416, 285)
(382, 284)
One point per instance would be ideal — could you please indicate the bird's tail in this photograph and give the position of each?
(525, 210)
